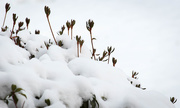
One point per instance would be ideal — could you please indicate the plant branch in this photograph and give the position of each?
(51, 30)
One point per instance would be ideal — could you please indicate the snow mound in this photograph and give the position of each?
(57, 74)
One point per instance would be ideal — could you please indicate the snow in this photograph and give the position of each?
(18, 56)
(3, 105)
(66, 80)
(59, 75)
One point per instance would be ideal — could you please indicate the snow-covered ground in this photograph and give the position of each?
(66, 80)
(144, 33)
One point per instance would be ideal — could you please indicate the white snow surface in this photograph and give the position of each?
(58, 74)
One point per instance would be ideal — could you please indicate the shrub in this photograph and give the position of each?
(13, 95)
(90, 103)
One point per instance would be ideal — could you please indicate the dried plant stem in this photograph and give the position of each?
(12, 31)
(71, 32)
(108, 58)
(78, 49)
(68, 32)
(92, 45)
(4, 19)
(51, 30)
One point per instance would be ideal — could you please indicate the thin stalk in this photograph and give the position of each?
(4, 19)
(78, 49)
(23, 104)
(92, 44)
(71, 32)
(68, 31)
(12, 31)
(14, 101)
(108, 58)
(51, 30)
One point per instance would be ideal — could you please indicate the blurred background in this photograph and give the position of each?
(145, 34)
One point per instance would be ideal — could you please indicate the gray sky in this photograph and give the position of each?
(145, 33)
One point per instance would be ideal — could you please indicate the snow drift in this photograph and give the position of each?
(59, 75)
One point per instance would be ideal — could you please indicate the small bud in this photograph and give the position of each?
(7, 7)
(47, 11)
(114, 61)
(138, 85)
(104, 53)
(4, 29)
(72, 23)
(110, 50)
(81, 42)
(27, 22)
(63, 28)
(89, 25)
(37, 31)
(48, 102)
(103, 56)
(173, 100)
(68, 24)
(20, 24)
(60, 43)
(134, 74)
(14, 18)
(78, 38)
